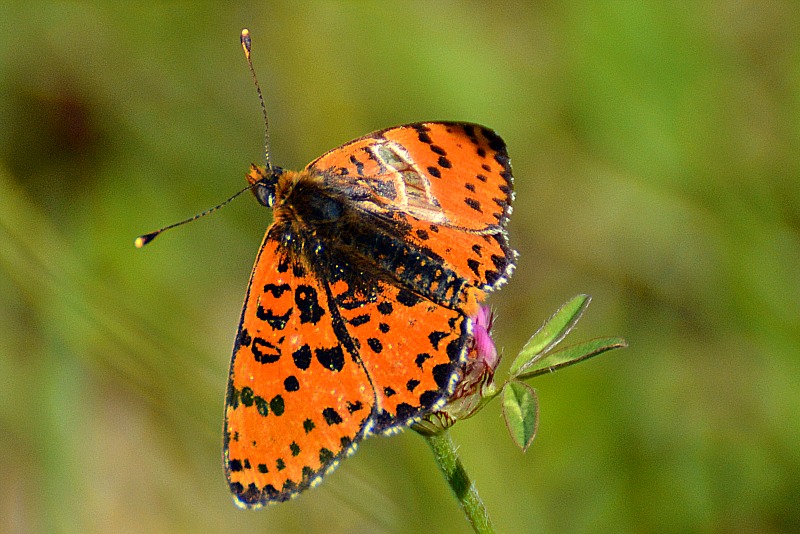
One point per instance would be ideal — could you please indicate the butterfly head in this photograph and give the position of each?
(263, 181)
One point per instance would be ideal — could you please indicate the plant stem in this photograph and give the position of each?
(450, 464)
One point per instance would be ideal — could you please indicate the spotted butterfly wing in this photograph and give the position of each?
(451, 182)
(296, 403)
(356, 318)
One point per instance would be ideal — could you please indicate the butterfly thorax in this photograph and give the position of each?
(308, 205)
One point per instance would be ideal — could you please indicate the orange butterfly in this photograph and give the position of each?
(357, 316)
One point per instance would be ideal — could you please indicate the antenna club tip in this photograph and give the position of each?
(245, 39)
(142, 240)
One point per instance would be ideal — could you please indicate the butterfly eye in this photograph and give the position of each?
(265, 194)
(263, 183)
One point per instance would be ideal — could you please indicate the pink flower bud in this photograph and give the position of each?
(483, 348)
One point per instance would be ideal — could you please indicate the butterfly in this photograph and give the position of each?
(358, 313)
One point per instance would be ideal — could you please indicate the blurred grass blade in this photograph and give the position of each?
(551, 332)
(521, 412)
(95, 324)
(570, 355)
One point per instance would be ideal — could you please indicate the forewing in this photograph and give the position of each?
(459, 172)
(446, 186)
(297, 402)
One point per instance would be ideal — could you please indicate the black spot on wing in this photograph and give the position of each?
(474, 204)
(247, 396)
(283, 264)
(302, 357)
(325, 456)
(375, 344)
(420, 359)
(307, 302)
(500, 262)
(262, 406)
(244, 338)
(277, 322)
(291, 383)
(277, 290)
(330, 358)
(276, 405)
(470, 131)
(353, 407)
(474, 266)
(442, 374)
(264, 351)
(495, 141)
(454, 350)
(359, 165)
(428, 398)
(435, 337)
(331, 416)
(358, 320)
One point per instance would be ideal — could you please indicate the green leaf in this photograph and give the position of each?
(570, 355)
(521, 412)
(551, 332)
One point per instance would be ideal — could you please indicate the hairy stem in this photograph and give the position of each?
(450, 464)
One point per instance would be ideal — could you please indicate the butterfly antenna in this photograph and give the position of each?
(142, 240)
(245, 38)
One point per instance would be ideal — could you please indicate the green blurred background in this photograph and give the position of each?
(655, 150)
